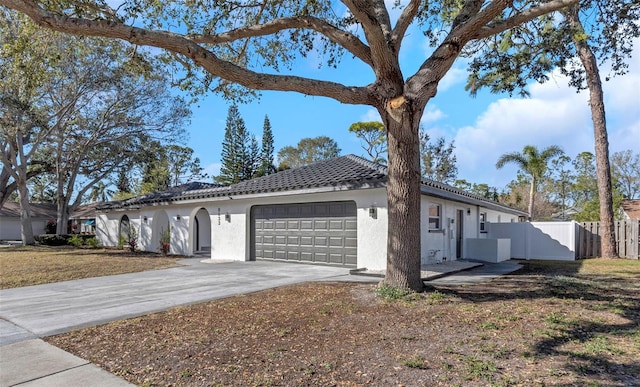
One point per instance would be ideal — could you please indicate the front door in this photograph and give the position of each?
(459, 228)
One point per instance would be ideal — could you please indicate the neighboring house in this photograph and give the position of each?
(84, 218)
(10, 219)
(631, 209)
(330, 212)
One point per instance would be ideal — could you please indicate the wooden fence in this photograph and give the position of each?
(627, 238)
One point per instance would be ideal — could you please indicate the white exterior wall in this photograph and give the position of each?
(440, 245)
(230, 240)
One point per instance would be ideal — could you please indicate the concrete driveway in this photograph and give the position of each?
(46, 310)
(38, 311)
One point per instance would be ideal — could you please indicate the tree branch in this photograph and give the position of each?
(182, 45)
(345, 39)
(522, 17)
(403, 23)
(374, 18)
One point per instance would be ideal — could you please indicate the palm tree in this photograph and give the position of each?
(532, 162)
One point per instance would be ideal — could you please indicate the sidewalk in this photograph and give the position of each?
(36, 363)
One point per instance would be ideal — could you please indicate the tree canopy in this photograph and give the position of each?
(308, 151)
(75, 108)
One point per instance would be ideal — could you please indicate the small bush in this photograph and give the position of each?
(75, 240)
(52, 239)
(93, 242)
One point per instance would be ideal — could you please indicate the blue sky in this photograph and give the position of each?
(482, 128)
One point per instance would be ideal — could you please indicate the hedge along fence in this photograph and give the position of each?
(627, 232)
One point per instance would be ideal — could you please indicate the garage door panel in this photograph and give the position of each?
(321, 241)
(351, 242)
(336, 242)
(309, 232)
(320, 225)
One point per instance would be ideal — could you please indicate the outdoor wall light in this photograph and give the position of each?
(144, 220)
(373, 212)
(468, 211)
(227, 217)
(178, 218)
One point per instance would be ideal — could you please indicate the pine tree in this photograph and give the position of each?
(233, 149)
(252, 159)
(266, 153)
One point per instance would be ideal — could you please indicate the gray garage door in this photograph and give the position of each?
(323, 233)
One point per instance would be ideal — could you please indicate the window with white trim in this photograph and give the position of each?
(435, 217)
(483, 222)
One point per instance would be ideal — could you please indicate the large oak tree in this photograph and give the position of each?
(246, 43)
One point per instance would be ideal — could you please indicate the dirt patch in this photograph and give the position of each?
(540, 326)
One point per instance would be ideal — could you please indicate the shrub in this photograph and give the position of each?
(133, 238)
(52, 239)
(75, 240)
(93, 242)
(165, 239)
(121, 241)
(50, 228)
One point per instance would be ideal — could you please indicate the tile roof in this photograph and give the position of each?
(345, 172)
(37, 210)
(47, 210)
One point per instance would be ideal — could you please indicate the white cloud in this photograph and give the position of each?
(454, 76)
(554, 115)
(370, 115)
(432, 114)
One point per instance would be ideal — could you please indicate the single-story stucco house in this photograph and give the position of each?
(329, 212)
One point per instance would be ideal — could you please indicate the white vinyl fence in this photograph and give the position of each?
(539, 240)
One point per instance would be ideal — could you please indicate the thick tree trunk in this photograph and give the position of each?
(26, 229)
(403, 197)
(63, 217)
(532, 195)
(603, 169)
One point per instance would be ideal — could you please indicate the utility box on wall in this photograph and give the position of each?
(489, 250)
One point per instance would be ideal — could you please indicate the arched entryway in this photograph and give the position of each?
(123, 230)
(201, 232)
(159, 225)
